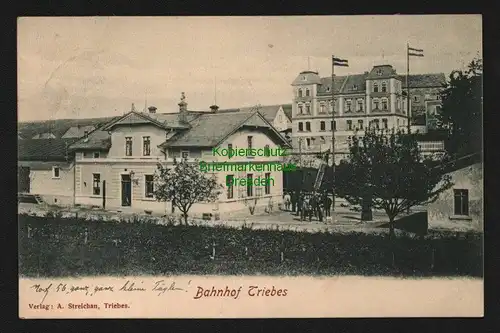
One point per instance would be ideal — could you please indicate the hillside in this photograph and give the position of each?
(57, 127)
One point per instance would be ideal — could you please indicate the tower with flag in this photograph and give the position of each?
(410, 52)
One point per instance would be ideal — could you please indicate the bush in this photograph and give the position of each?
(56, 247)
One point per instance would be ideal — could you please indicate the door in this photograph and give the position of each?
(23, 179)
(126, 190)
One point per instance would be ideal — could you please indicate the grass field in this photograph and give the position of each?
(56, 247)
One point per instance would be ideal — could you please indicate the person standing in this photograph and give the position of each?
(327, 204)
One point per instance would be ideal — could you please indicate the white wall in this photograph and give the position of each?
(157, 137)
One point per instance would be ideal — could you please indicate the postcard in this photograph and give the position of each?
(250, 167)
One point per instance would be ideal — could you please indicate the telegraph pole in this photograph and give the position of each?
(408, 86)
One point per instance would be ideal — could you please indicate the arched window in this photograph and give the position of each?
(375, 87)
(307, 92)
(384, 86)
(300, 92)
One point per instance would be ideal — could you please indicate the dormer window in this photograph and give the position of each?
(303, 78)
(379, 72)
(327, 88)
(354, 87)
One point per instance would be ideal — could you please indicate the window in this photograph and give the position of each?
(384, 121)
(461, 201)
(267, 151)
(301, 127)
(184, 154)
(384, 104)
(229, 147)
(96, 184)
(300, 92)
(333, 125)
(416, 99)
(230, 187)
(322, 126)
(307, 92)
(375, 87)
(97, 154)
(379, 72)
(308, 109)
(85, 134)
(249, 141)
(55, 172)
(249, 185)
(308, 142)
(349, 125)
(267, 189)
(322, 108)
(146, 146)
(354, 87)
(377, 123)
(397, 122)
(375, 104)
(308, 126)
(399, 104)
(360, 124)
(331, 106)
(149, 186)
(348, 105)
(128, 146)
(360, 105)
(301, 109)
(384, 86)
(280, 118)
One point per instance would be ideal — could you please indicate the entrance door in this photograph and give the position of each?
(126, 190)
(23, 179)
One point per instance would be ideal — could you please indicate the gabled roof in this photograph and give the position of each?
(162, 120)
(209, 130)
(97, 140)
(463, 162)
(43, 150)
(268, 111)
(78, 131)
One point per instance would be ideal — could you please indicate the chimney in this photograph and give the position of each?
(182, 108)
(214, 108)
(152, 109)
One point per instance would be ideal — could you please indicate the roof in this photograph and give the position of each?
(306, 77)
(78, 131)
(433, 80)
(96, 140)
(43, 150)
(287, 109)
(44, 136)
(268, 111)
(163, 120)
(463, 162)
(382, 72)
(208, 130)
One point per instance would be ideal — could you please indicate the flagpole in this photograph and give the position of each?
(408, 86)
(333, 139)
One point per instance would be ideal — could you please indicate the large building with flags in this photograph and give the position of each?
(376, 98)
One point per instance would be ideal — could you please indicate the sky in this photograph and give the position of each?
(85, 67)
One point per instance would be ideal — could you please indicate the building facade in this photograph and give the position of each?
(124, 155)
(460, 207)
(375, 99)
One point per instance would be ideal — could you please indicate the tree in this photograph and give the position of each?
(461, 113)
(388, 169)
(184, 185)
